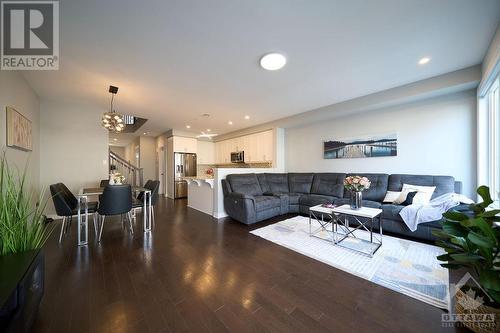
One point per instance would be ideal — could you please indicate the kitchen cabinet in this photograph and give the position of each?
(206, 152)
(258, 148)
(185, 145)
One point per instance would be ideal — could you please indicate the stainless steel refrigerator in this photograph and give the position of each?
(185, 166)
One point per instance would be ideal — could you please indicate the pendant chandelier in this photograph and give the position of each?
(112, 120)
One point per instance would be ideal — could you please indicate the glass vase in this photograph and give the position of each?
(356, 200)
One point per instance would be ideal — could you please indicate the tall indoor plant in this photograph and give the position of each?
(471, 239)
(22, 223)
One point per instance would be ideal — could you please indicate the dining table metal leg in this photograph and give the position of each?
(101, 227)
(96, 222)
(63, 227)
(83, 235)
(146, 208)
(149, 211)
(129, 218)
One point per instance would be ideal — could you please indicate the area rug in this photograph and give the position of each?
(410, 268)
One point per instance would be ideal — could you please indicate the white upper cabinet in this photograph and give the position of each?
(258, 147)
(206, 152)
(185, 145)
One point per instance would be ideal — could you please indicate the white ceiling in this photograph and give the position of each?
(175, 60)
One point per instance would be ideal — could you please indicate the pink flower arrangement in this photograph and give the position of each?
(356, 183)
(210, 172)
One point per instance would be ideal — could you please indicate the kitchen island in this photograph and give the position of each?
(200, 194)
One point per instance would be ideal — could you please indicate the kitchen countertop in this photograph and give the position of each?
(200, 180)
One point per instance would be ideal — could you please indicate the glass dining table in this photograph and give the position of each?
(83, 218)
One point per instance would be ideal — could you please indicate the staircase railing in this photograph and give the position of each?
(133, 174)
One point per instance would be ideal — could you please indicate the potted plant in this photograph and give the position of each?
(22, 223)
(356, 185)
(23, 231)
(472, 240)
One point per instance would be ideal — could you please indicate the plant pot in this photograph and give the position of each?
(476, 325)
(356, 200)
(22, 276)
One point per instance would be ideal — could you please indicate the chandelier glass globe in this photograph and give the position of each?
(113, 121)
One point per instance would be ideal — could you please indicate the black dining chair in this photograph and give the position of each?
(115, 200)
(104, 183)
(153, 186)
(66, 205)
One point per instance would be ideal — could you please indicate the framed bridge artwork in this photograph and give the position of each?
(359, 147)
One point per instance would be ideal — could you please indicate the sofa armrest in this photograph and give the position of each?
(241, 207)
(237, 195)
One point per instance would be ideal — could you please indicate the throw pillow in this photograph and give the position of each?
(409, 198)
(422, 197)
(391, 196)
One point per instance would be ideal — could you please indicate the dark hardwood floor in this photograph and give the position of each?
(194, 274)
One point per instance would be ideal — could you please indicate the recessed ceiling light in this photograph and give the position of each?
(188, 126)
(230, 122)
(424, 60)
(247, 117)
(208, 129)
(273, 61)
(145, 133)
(115, 139)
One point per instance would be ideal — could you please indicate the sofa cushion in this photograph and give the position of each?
(261, 177)
(365, 203)
(244, 183)
(264, 202)
(330, 184)
(300, 182)
(378, 187)
(293, 198)
(277, 182)
(315, 199)
(444, 184)
(391, 212)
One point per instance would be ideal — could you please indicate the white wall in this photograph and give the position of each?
(436, 136)
(491, 64)
(147, 148)
(161, 143)
(130, 152)
(74, 146)
(120, 151)
(15, 92)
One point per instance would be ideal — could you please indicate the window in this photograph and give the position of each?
(493, 165)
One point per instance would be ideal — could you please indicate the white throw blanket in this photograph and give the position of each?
(415, 214)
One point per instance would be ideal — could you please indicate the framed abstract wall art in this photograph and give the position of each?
(19, 132)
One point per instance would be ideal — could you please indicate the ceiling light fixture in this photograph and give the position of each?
(208, 129)
(112, 120)
(247, 117)
(424, 60)
(188, 126)
(230, 122)
(273, 61)
(115, 139)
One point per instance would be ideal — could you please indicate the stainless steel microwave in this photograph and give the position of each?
(238, 157)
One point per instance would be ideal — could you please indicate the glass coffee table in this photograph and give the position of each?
(336, 223)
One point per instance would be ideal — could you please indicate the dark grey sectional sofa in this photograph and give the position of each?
(250, 198)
